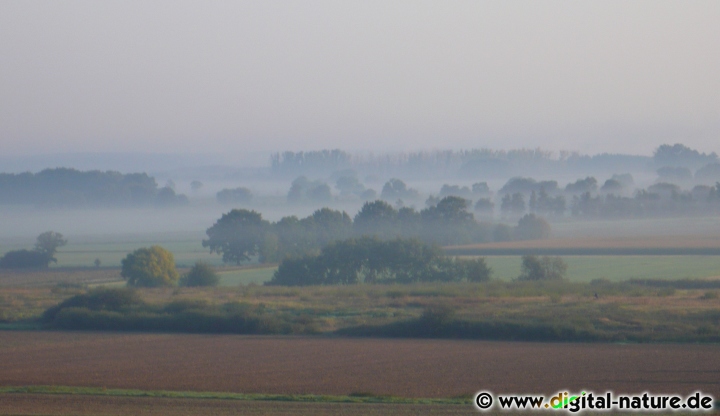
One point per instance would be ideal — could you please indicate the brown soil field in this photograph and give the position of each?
(63, 405)
(342, 366)
(668, 242)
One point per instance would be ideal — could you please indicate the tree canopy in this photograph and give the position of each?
(237, 235)
(41, 256)
(370, 260)
(48, 243)
(150, 267)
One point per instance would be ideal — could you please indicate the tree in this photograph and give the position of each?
(532, 227)
(150, 267)
(24, 259)
(580, 186)
(545, 268)
(196, 185)
(377, 217)
(395, 188)
(46, 246)
(513, 204)
(201, 274)
(349, 185)
(237, 235)
(484, 206)
(48, 243)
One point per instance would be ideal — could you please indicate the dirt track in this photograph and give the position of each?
(410, 368)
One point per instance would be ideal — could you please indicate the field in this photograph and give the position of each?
(345, 367)
(364, 348)
(619, 268)
(80, 405)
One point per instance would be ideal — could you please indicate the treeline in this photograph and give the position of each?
(370, 261)
(449, 163)
(240, 234)
(63, 187)
(616, 198)
(662, 199)
(487, 162)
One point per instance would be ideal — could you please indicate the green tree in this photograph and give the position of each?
(201, 274)
(150, 267)
(48, 243)
(237, 235)
(542, 268)
(376, 218)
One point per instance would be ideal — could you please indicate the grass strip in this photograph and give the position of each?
(306, 398)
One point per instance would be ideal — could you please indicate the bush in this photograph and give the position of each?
(150, 267)
(201, 274)
(115, 299)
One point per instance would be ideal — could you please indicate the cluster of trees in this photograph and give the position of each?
(370, 260)
(661, 199)
(302, 189)
(240, 234)
(46, 245)
(238, 195)
(469, 163)
(155, 267)
(74, 188)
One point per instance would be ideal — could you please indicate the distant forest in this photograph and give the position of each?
(63, 187)
(449, 163)
(483, 162)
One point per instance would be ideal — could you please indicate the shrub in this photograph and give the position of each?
(201, 274)
(103, 299)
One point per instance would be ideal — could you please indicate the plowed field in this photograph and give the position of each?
(59, 405)
(340, 366)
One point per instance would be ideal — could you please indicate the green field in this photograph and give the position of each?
(246, 276)
(619, 268)
(186, 248)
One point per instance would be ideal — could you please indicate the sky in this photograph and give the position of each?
(242, 78)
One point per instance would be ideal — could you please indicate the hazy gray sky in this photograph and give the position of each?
(228, 76)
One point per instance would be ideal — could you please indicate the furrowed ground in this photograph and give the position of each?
(349, 366)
